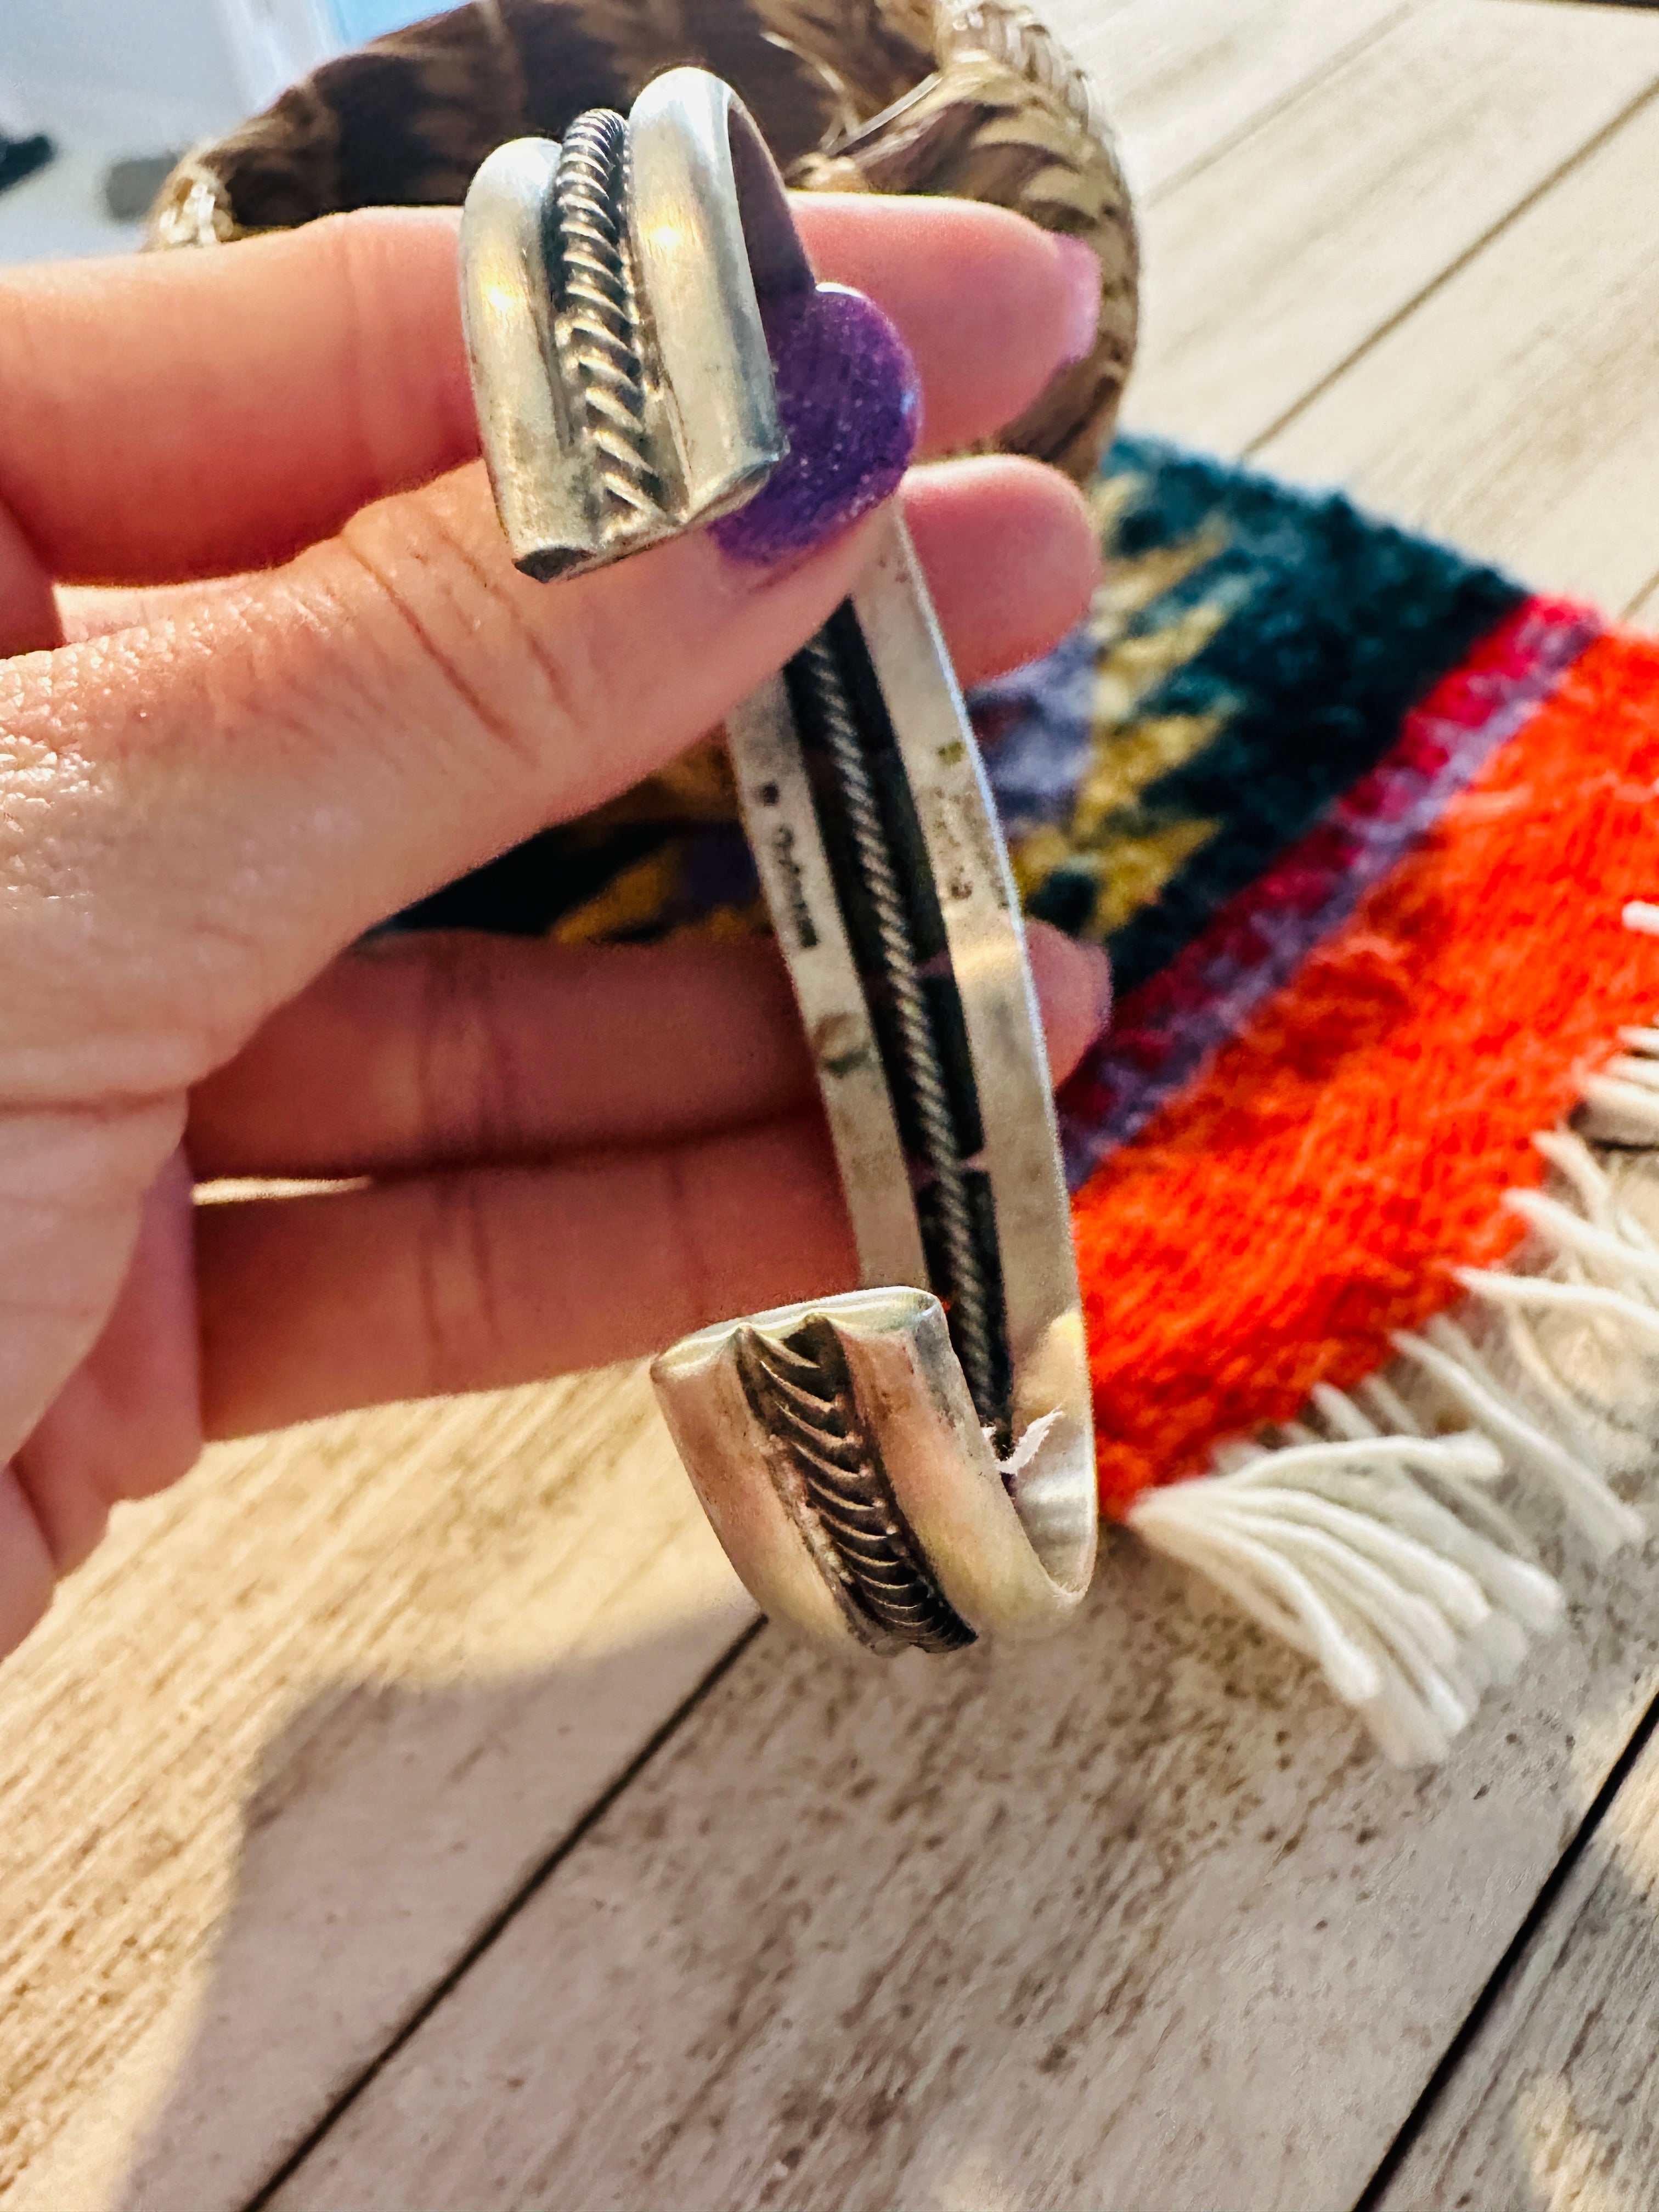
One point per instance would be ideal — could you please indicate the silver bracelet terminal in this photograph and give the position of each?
(911, 1463)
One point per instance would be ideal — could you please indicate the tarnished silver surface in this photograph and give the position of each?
(843, 1463)
(911, 1463)
(609, 295)
(885, 874)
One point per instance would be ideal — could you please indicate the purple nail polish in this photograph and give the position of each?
(851, 403)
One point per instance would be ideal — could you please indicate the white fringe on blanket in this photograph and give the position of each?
(1366, 1535)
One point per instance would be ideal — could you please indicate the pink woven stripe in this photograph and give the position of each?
(1165, 1032)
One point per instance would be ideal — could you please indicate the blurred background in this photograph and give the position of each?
(97, 97)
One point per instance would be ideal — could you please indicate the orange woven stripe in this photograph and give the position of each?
(1311, 1191)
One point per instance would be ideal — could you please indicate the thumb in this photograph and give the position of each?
(201, 814)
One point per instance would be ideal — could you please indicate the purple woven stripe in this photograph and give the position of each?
(1165, 1032)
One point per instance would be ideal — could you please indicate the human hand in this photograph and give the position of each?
(274, 678)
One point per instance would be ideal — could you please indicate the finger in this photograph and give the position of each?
(484, 1277)
(494, 1276)
(254, 787)
(457, 1047)
(451, 1048)
(89, 611)
(943, 268)
(1074, 994)
(26, 1573)
(251, 789)
(1011, 557)
(1009, 553)
(127, 1423)
(175, 416)
(28, 614)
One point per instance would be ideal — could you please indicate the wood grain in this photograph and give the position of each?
(1184, 82)
(1287, 257)
(293, 1738)
(1514, 411)
(1138, 1906)
(1078, 1931)
(1132, 1919)
(1555, 2106)
(303, 1726)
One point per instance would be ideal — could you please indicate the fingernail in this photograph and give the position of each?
(1080, 267)
(851, 403)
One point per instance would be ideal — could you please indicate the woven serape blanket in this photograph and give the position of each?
(1369, 830)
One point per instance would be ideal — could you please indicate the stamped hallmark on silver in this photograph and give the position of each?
(910, 1464)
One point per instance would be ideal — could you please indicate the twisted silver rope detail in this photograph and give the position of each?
(800, 1391)
(601, 318)
(970, 1323)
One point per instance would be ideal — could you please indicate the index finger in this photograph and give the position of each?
(196, 414)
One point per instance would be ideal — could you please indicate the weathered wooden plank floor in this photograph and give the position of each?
(385, 1758)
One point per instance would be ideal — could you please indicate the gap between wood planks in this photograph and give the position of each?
(1512, 411)
(497, 1926)
(746, 2122)
(1273, 277)
(234, 1640)
(1187, 83)
(1127, 1921)
(1264, 439)
(1381, 2192)
(1286, 125)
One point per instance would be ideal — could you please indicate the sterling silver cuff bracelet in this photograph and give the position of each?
(913, 1462)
